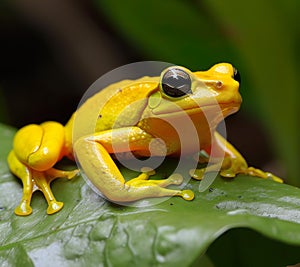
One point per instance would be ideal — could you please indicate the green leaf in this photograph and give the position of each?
(90, 231)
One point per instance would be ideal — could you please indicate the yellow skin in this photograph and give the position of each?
(132, 116)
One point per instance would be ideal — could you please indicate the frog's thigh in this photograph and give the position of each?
(92, 153)
(42, 147)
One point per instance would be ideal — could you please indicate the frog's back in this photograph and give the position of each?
(118, 105)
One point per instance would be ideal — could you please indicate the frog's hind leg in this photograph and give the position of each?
(25, 174)
(103, 173)
(35, 180)
(36, 150)
(231, 164)
(32, 180)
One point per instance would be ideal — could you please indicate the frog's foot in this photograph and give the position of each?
(156, 188)
(43, 179)
(259, 173)
(35, 180)
(232, 171)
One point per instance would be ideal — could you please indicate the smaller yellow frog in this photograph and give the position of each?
(135, 116)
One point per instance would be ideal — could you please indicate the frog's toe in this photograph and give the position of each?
(175, 179)
(229, 173)
(265, 175)
(274, 178)
(23, 209)
(148, 171)
(54, 207)
(197, 173)
(72, 174)
(187, 195)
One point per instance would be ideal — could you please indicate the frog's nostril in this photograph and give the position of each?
(236, 75)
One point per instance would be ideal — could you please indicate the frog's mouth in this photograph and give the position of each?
(209, 108)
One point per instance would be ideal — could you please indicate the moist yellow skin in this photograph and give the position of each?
(131, 116)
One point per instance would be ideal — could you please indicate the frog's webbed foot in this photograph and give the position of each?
(37, 180)
(230, 164)
(43, 181)
(229, 168)
(259, 173)
(233, 166)
(159, 185)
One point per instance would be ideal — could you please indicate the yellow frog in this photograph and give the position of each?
(136, 116)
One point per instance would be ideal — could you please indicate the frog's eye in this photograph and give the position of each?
(176, 82)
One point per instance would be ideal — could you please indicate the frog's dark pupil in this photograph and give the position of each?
(176, 83)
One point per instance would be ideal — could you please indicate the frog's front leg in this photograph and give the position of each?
(231, 164)
(93, 153)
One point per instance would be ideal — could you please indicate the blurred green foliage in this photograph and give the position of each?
(260, 37)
